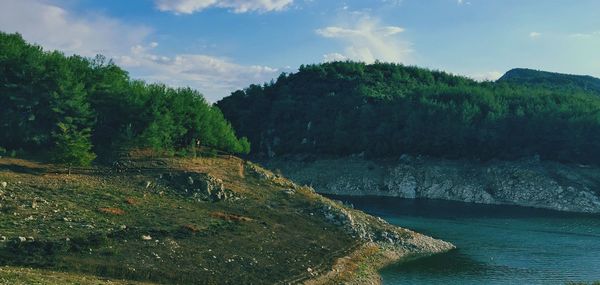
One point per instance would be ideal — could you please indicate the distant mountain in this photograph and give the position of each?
(551, 79)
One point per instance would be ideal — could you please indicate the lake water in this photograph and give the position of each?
(496, 244)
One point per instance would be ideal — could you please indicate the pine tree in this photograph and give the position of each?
(72, 147)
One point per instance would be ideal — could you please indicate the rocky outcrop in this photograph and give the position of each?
(200, 186)
(375, 230)
(382, 244)
(528, 182)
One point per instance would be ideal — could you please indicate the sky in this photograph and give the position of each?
(219, 46)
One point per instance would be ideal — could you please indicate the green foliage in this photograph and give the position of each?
(552, 80)
(73, 147)
(386, 110)
(85, 106)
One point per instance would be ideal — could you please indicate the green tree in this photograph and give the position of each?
(73, 147)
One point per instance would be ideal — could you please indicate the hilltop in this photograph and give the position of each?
(551, 79)
(385, 110)
(215, 220)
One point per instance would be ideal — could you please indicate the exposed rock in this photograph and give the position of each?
(201, 186)
(259, 172)
(3, 239)
(3, 184)
(375, 230)
(21, 239)
(264, 174)
(146, 237)
(528, 182)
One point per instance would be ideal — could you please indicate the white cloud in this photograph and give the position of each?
(212, 75)
(334, 57)
(237, 6)
(487, 76)
(535, 35)
(54, 27)
(368, 41)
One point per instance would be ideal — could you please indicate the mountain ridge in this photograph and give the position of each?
(555, 79)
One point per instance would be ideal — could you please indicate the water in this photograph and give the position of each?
(496, 244)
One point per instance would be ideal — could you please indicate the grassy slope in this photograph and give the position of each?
(191, 241)
(28, 276)
(91, 222)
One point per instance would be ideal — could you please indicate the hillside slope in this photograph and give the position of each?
(185, 221)
(551, 79)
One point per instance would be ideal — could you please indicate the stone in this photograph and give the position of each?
(201, 187)
(21, 239)
(3, 184)
(3, 239)
(146, 237)
(526, 182)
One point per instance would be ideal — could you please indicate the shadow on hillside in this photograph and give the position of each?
(22, 169)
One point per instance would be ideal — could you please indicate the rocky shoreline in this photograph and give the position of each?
(527, 182)
(380, 244)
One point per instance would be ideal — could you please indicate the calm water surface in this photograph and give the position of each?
(496, 244)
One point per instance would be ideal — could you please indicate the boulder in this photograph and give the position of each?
(200, 186)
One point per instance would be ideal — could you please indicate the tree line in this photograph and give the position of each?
(71, 108)
(386, 110)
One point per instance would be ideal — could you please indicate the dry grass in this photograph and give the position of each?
(230, 217)
(112, 211)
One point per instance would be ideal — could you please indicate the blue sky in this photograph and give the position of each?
(218, 46)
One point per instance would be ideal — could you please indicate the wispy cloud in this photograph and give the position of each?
(535, 35)
(368, 40)
(54, 27)
(586, 35)
(237, 6)
(214, 76)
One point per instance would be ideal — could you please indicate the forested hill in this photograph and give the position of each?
(552, 79)
(386, 110)
(70, 108)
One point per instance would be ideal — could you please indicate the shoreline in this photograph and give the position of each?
(363, 265)
(526, 183)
